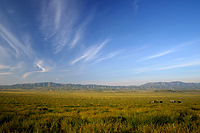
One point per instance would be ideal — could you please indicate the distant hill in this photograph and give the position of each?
(171, 85)
(59, 86)
(148, 86)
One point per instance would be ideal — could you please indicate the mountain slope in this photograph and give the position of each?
(171, 85)
(148, 86)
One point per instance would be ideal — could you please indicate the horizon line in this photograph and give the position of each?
(101, 84)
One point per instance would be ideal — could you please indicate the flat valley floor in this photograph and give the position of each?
(90, 111)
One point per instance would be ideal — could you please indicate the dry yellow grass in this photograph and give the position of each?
(64, 111)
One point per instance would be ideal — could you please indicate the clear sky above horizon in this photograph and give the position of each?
(109, 42)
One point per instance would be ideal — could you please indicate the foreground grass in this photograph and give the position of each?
(99, 112)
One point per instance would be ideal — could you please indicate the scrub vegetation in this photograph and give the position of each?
(91, 111)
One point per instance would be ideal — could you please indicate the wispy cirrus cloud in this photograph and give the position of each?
(40, 65)
(61, 24)
(58, 19)
(50, 17)
(168, 52)
(14, 49)
(186, 44)
(80, 30)
(142, 70)
(8, 67)
(130, 51)
(76, 38)
(178, 66)
(156, 56)
(7, 70)
(6, 73)
(187, 58)
(91, 52)
(110, 55)
(15, 46)
(4, 67)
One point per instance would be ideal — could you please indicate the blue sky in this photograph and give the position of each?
(110, 42)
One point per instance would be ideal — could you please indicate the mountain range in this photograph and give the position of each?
(177, 85)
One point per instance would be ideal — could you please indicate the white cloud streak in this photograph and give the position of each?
(107, 57)
(158, 55)
(6, 73)
(168, 52)
(155, 56)
(79, 32)
(178, 66)
(4, 67)
(12, 46)
(60, 23)
(8, 67)
(142, 70)
(28, 73)
(58, 13)
(40, 66)
(58, 20)
(186, 44)
(91, 52)
(76, 39)
(110, 55)
(19, 48)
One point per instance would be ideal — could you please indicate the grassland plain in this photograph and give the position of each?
(87, 111)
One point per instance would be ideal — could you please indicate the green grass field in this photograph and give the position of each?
(65, 111)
